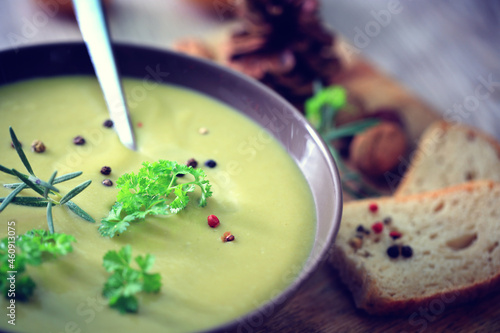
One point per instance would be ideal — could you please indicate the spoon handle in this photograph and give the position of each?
(94, 30)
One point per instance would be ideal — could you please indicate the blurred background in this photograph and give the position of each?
(447, 53)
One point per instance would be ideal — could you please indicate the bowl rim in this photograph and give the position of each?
(337, 203)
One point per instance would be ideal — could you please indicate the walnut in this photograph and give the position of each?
(378, 149)
(194, 47)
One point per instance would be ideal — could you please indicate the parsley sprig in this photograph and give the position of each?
(154, 190)
(33, 248)
(321, 110)
(49, 195)
(125, 282)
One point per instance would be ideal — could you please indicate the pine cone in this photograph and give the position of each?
(283, 44)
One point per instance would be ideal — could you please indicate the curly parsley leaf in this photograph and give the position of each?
(156, 189)
(125, 282)
(33, 248)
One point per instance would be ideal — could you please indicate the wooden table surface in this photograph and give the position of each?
(446, 53)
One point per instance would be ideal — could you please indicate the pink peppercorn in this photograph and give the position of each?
(377, 227)
(395, 234)
(373, 207)
(213, 221)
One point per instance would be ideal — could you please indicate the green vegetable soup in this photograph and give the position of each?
(259, 195)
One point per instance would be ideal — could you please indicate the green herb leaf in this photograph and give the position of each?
(33, 248)
(12, 186)
(42, 188)
(75, 192)
(20, 152)
(334, 97)
(49, 217)
(42, 184)
(78, 211)
(154, 190)
(321, 110)
(28, 201)
(125, 282)
(50, 182)
(28, 182)
(350, 129)
(113, 260)
(6, 170)
(67, 177)
(8, 199)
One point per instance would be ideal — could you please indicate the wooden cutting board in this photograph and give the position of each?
(323, 303)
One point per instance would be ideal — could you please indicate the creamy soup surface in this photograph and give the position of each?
(259, 195)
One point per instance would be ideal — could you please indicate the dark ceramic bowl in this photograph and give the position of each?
(251, 98)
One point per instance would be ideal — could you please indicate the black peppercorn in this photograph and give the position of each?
(387, 220)
(192, 163)
(210, 163)
(108, 123)
(105, 170)
(107, 182)
(393, 251)
(406, 251)
(78, 140)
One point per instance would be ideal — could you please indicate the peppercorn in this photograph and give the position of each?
(406, 251)
(377, 227)
(108, 123)
(211, 163)
(37, 146)
(362, 229)
(12, 144)
(227, 237)
(107, 182)
(387, 220)
(106, 170)
(78, 140)
(213, 221)
(192, 163)
(395, 234)
(393, 251)
(373, 207)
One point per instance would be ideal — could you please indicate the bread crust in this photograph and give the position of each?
(365, 288)
(438, 129)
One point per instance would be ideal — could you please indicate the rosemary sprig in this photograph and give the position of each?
(321, 110)
(49, 194)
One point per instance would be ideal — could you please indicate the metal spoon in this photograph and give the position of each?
(94, 29)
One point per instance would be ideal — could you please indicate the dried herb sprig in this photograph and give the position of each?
(49, 195)
(321, 110)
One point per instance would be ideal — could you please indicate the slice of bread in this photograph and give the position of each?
(454, 235)
(450, 154)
